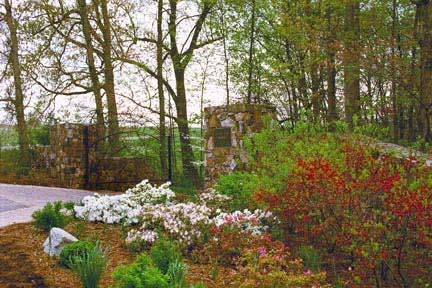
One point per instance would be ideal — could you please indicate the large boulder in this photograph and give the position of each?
(57, 239)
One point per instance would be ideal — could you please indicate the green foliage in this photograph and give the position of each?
(239, 186)
(39, 135)
(140, 274)
(177, 274)
(163, 253)
(90, 265)
(273, 152)
(69, 205)
(49, 216)
(79, 248)
(311, 258)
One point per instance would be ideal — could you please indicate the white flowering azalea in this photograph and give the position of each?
(153, 208)
(143, 236)
(254, 223)
(182, 221)
(124, 208)
(145, 193)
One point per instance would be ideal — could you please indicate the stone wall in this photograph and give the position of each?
(121, 173)
(226, 127)
(75, 159)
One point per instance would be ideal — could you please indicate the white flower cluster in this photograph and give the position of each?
(151, 207)
(212, 195)
(66, 212)
(246, 221)
(124, 208)
(146, 236)
(108, 209)
(144, 193)
(183, 221)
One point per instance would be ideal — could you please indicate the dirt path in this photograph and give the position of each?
(18, 202)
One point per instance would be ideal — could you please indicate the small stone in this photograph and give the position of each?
(227, 123)
(56, 241)
(239, 116)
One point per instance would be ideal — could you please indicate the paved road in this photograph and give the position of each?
(18, 202)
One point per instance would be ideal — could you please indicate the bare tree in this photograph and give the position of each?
(18, 100)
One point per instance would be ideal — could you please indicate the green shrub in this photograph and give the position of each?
(177, 274)
(69, 205)
(140, 274)
(71, 250)
(239, 186)
(90, 265)
(163, 253)
(49, 216)
(311, 258)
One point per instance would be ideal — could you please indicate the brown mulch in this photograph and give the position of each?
(24, 264)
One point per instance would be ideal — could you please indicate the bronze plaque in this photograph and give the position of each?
(222, 137)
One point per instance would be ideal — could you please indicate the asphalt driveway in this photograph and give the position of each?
(18, 202)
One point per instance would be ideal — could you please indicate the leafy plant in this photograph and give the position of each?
(49, 216)
(90, 265)
(239, 186)
(163, 253)
(74, 249)
(177, 274)
(339, 196)
(311, 258)
(142, 273)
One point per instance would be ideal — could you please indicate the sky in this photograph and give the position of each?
(130, 82)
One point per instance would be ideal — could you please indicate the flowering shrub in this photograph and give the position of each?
(124, 208)
(274, 268)
(254, 223)
(373, 212)
(183, 221)
(214, 200)
(144, 237)
(145, 193)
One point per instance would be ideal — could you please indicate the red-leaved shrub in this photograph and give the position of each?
(374, 213)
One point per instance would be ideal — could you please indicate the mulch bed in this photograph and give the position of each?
(24, 264)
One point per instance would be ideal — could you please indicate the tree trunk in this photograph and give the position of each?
(189, 169)
(92, 68)
(395, 112)
(425, 43)
(113, 123)
(331, 70)
(251, 53)
(352, 62)
(162, 132)
(19, 95)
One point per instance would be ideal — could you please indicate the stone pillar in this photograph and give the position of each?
(67, 148)
(226, 127)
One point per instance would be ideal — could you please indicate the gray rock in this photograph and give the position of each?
(56, 241)
(227, 123)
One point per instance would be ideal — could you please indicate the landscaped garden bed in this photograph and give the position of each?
(331, 211)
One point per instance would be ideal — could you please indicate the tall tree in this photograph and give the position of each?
(162, 127)
(352, 61)
(18, 101)
(104, 24)
(331, 64)
(424, 34)
(251, 51)
(94, 76)
(180, 60)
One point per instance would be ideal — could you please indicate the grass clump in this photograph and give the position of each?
(90, 265)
